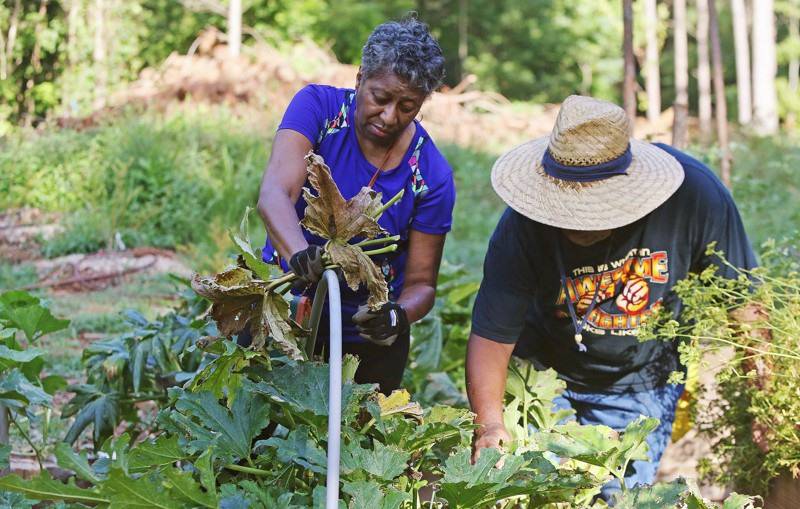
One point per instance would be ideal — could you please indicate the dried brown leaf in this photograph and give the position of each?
(358, 269)
(329, 215)
(277, 322)
(238, 300)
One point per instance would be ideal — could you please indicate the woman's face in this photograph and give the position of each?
(385, 106)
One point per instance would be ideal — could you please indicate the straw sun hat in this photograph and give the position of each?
(589, 174)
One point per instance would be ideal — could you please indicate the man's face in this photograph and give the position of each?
(385, 106)
(585, 238)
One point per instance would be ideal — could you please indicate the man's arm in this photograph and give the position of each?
(486, 368)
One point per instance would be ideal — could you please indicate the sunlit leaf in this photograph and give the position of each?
(25, 312)
(78, 463)
(382, 461)
(366, 494)
(210, 424)
(17, 391)
(162, 451)
(140, 493)
(241, 239)
(44, 487)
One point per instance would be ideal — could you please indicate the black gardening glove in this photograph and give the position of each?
(382, 326)
(308, 265)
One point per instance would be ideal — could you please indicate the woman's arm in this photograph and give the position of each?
(280, 188)
(422, 270)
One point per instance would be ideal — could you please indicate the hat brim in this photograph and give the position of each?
(519, 179)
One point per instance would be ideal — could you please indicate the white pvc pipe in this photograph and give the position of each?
(330, 285)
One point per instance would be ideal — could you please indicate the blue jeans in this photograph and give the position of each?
(617, 411)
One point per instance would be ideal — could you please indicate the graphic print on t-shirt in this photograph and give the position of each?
(626, 297)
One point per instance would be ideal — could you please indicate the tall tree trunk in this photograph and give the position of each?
(719, 94)
(765, 67)
(73, 19)
(681, 106)
(36, 63)
(703, 71)
(794, 67)
(652, 71)
(742, 47)
(629, 81)
(234, 27)
(8, 57)
(463, 26)
(99, 53)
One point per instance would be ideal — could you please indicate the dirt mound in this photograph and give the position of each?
(96, 271)
(21, 232)
(263, 79)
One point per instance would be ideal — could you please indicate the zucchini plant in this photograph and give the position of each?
(248, 427)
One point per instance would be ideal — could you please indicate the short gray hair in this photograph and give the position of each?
(407, 49)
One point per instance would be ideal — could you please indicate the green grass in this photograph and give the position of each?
(16, 275)
(766, 187)
(157, 180)
(477, 206)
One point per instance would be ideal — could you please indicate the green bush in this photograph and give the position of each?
(152, 180)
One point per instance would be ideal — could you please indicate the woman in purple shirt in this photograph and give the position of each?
(369, 134)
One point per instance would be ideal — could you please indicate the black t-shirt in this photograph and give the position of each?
(521, 298)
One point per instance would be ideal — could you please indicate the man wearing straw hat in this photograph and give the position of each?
(599, 228)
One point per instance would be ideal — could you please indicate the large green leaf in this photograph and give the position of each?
(93, 407)
(17, 391)
(44, 487)
(599, 445)
(183, 486)
(223, 376)
(252, 260)
(205, 466)
(299, 448)
(25, 312)
(78, 463)
(530, 394)
(383, 461)
(144, 492)
(465, 485)
(269, 498)
(369, 495)
(737, 501)
(302, 390)
(659, 496)
(210, 424)
(11, 500)
(19, 356)
(163, 451)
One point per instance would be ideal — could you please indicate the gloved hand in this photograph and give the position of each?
(307, 264)
(382, 326)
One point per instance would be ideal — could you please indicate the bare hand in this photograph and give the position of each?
(490, 436)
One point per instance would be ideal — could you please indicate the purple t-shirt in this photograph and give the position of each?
(324, 115)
